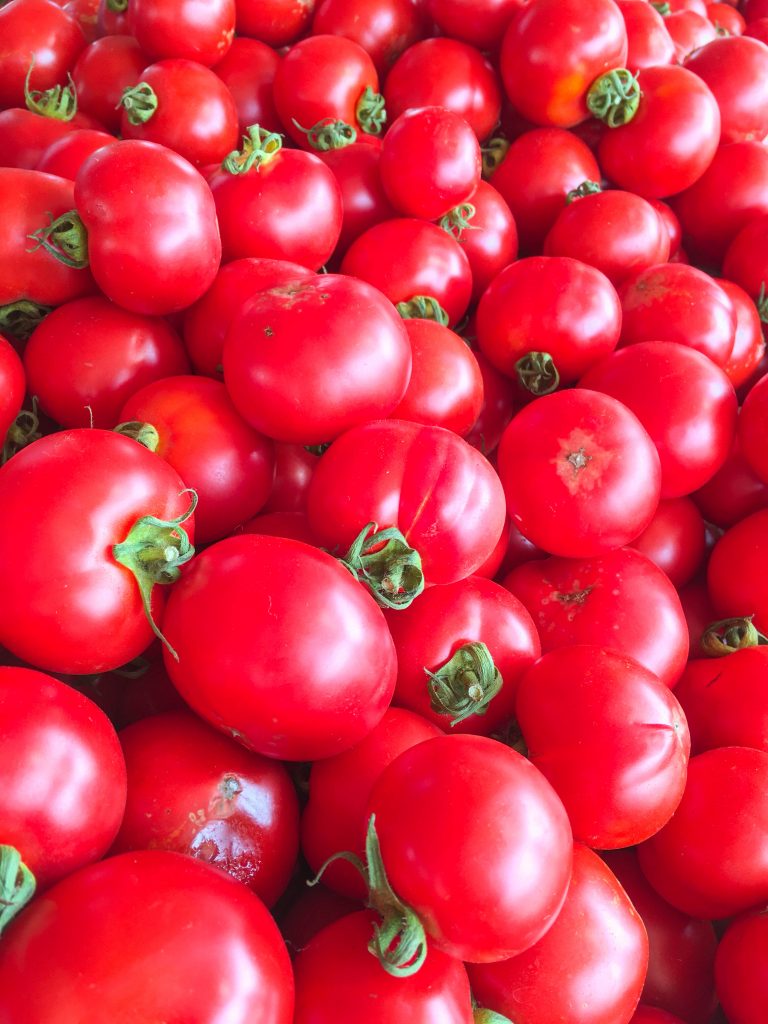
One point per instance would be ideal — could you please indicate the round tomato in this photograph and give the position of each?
(276, 22)
(748, 342)
(66, 155)
(248, 71)
(736, 70)
(648, 42)
(733, 493)
(181, 28)
(37, 33)
(737, 574)
(103, 71)
(12, 386)
(384, 28)
(742, 986)
(674, 540)
(364, 201)
(753, 428)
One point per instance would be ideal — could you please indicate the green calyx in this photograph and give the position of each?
(613, 98)
(154, 551)
(423, 307)
(259, 147)
(457, 220)
(489, 1017)
(144, 433)
(466, 684)
(117, 6)
(492, 153)
(662, 6)
(586, 188)
(17, 884)
(729, 635)
(762, 304)
(370, 112)
(19, 319)
(139, 103)
(59, 102)
(537, 373)
(328, 134)
(22, 432)
(399, 943)
(65, 238)
(386, 565)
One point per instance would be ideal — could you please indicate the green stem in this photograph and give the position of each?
(22, 432)
(370, 112)
(65, 238)
(17, 884)
(423, 307)
(59, 102)
(762, 304)
(153, 551)
(586, 188)
(457, 220)
(492, 153)
(259, 147)
(144, 433)
(662, 6)
(466, 684)
(117, 6)
(614, 97)
(328, 134)
(18, 319)
(489, 1017)
(139, 103)
(386, 565)
(537, 373)
(729, 635)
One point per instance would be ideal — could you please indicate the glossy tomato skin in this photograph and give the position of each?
(339, 982)
(181, 28)
(63, 775)
(670, 141)
(88, 356)
(229, 465)
(294, 468)
(737, 570)
(711, 859)
(587, 969)
(490, 242)
(675, 540)
(213, 947)
(196, 792)
(748, 341)
(309, 360)
(742, 987)
(500, 400)
(611, 739)
(26, 136)
(689, 31)
(481, 24)
(36, 31)
(510, 878)
(103, 71)
(12, 385)
(572, 601)
(335, 818)
(580, 474)
(248, 71)
(330, 672)
(733, 493)
(66, 155)
(648, 42)
(744, 262)
(442, 495)
(67, 604)
(445, 618)
(384, 28)
(736, 70)
(165, 260)
(752, 428)
(276, 22)
(364, 201)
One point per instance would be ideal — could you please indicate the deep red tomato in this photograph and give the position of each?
(653, 1015)
(331, 669)
(758, 29)
(25, 135)
(276, 22)
(215, 452)
(500, 399)
(67, 155)
(489, 239)
(12, 386)
(737, 574)
(711, 859)
(508, 877)
(63, 775)
(294, 468)
(67, 603)
(35, 32)
(745, 261)
(310, 912)
(742, 986)
(103, 71)
(648, 42)
(688, 31)
(339, 982)
(699, 613)
(674, 540)
(753, 428)
(364, 201)
(442, 495)
(621, 594)
(726, 18)
(209, 948)
(685, 402)
(480, 23)
(748, 343)
(590, 966)
(194, 791)
(88, 356)
(248, 70)
(733, 493)
(736, 70)
(384, 28)
(182, 28)
(293, 525)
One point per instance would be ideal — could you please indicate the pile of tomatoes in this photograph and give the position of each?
(383, 512)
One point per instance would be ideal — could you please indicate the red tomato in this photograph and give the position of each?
(356, 169)
(276, 22)
(748, 343)
(331, 669)
(442, 495)
(480, 23)
(63, 775)
(736, 70)
(737, 575)
(742, 986)
(745, 263)
(103, 71)
(384, 28)
(500, 397)
(211, 946)
(293, 525)
(648, 41)
(310, 912)
(248, 71)
(733, 493)
(653, 1015)
(489, 239)
(35, 32)
(621, 594)
(67, 603)
(509, 877)
(589, 967)
(194, 791)
(753, 428)
(26, 135)
(88, 356)
(688, 31)
(294, 468)
(726, 18)
(182, 28)
(12, 386)
(674, 540)
(711, 859)
(67, 155)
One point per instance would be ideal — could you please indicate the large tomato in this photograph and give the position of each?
(736, 70)
(737, 574)
(182, 28)
(742, 985)
(12, 386)
(38, 33)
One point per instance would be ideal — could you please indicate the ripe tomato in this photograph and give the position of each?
(384, 28)
(736, 70)
(276, 22)
(12, 386)
(40, 33)
(742, 987)
(752, 428)
(733, 493)
(675, 540)
(480, 23)
(103, 71)
(364, 201)
(180, 28)
(744, 262)
(66, 155)
(648, 42)
(294, 468)
(248, 71)
(748, 343)
(689, 31)
(737, 574)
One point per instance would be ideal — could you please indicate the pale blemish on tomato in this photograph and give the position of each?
(581, 462)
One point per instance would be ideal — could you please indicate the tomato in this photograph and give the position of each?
(228, 464)
(685, 402)
(294, 468)
(733, 493)
(88, 356)
(446, 385)
(293, 525)
(509, 876)
(744, 263)
(670, 141)
(688, 31)
(65, 156)
(546, 319)
(248, 71)
(445, 73)
(672, 224)
(384, 28)
(409, 259)
(163, 260)
(648, 41)
(736, 70)
(562, 163)
(331, 669)
(489, 239)
(293, 389)
(182, 105)
(748, 343)
(276, 203)
(364, 201)
(742, 987)
(681, 949)
(339, 788)
(752, 428)
(26, 135)
(12, 386)
(674, 540)
(500, 397)
(182, 28)
(275, 22)
(589, 967)
(103, 71)
(310, 912)
(653, 1015)
(68, 604)
(63, 775)
(726, 18)
(711, 859)
(442, 495)
(35, 32)
(339, 982)
(209, 948)
(736, 574)
(620, 594)
(758, 29)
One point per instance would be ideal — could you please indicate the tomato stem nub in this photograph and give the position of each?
(423, 307)
(153, 551)
(328, 134)
(466, 684)
(118, 6)
(58, 102)
(456, 221)
(143, 433)
(614, 97)
(662, 6)
(259, 147)
(370, 112)
(729, 635)
(489, 1017)
(762, 304)
(139, 102)
(586, 188)
(19, 319)
(23, 431)
(537, 373)
(65, 238)
(386, 565)
(492, 153)
(17, 884)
